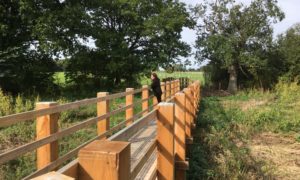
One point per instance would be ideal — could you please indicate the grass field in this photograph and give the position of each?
(60, 78)
(251, 135)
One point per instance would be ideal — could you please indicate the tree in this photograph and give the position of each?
(131, 37)
(31, 33)
(289, 47)
(236, 36)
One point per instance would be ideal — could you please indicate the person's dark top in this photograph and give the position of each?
(155, 85)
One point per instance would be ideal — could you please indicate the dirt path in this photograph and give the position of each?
(282, 153)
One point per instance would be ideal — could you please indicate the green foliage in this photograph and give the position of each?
(236, 37)
(288, 45)
(5, 101)
(215, 153)
(131, 38)
(22, 133)
(23, 65)
(226, 124)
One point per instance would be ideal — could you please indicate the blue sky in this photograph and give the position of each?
(291, 8)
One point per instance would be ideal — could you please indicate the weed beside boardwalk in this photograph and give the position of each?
(232, 133)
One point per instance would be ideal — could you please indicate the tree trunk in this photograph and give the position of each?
(232, 85)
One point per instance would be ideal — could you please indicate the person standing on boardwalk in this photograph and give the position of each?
(155, 86)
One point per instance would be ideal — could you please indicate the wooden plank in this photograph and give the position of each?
(70, 169)
(172, 88)
(45, 126)
(163, 89)
(9, 155)
(154, 101)
(165, 141)
(102, 109)
(129, 101)
(139, 123)
(168, 87)
(145, 96)
(188, 117)
(180, 146)
(152, 174)
(108, 160)
(60, 160)
(53, 175)
(127, 132)
(143, 160)
(15, 118)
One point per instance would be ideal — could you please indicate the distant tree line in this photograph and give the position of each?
(130, 38)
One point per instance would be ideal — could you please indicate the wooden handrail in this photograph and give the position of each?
(74, 152)
(29, 115)
(122, 135)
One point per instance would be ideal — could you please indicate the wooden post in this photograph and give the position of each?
(165, 141)
(180, 133)
(102, 109)
(145, 103)
(154, 101)
(129, 101)
(178, 85)
(172, 88)
(163, 89)
(188, 114)
(168, 89)
(193, 91)
(108, 160)
(45, 126)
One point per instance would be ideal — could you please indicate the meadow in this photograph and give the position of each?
(22, 133)
(250, 135)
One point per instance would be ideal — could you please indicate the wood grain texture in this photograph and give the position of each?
(129, 101)
(45, 126)
(53, 175)
(102, 109)
(145, 96)
(180, 135)
(165, 141)
(188, 114)
(172, 88)
(168, 90)
(163, 89)
(108, 160)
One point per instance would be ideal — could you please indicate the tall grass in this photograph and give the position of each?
(226, 124)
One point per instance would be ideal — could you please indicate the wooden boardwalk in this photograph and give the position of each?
(155, 135)
(141, 141)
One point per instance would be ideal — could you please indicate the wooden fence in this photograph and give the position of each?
(107, 155)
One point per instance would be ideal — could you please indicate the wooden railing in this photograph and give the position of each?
(111, 159)
(48, 134)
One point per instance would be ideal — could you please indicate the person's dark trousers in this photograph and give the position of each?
(158, 97)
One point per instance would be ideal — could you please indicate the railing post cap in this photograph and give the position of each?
(102, 93)
(187, 89)
(179, 94)
(129, 89)
(165, 104)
